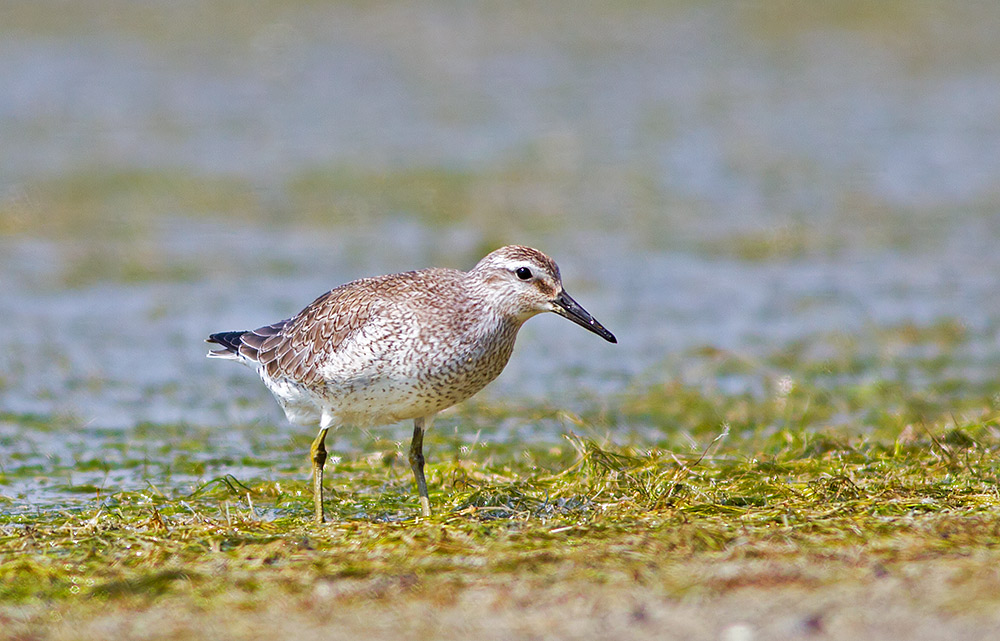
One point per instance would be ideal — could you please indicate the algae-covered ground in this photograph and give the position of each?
(829, 504)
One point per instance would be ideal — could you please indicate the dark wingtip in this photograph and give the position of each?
(230, 340)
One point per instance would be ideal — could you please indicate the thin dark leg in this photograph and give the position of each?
(417, 465)
(318, 455)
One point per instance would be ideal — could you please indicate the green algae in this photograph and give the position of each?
(929, 495)
(845, 462)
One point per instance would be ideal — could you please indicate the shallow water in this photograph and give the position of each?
(706, 175)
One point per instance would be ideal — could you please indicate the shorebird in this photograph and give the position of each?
(403, 346)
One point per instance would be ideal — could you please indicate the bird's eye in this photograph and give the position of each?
(523, 273)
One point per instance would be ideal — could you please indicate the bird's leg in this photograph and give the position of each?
(318, 455)
(417, 465)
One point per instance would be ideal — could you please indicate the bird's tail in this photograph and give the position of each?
(230, 342)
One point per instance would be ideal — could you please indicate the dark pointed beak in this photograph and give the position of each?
(567, 307)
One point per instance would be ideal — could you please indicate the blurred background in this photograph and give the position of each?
(712, 177)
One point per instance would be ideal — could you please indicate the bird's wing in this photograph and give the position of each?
(295, 348)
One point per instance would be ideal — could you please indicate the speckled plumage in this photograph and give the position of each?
(402, 346)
